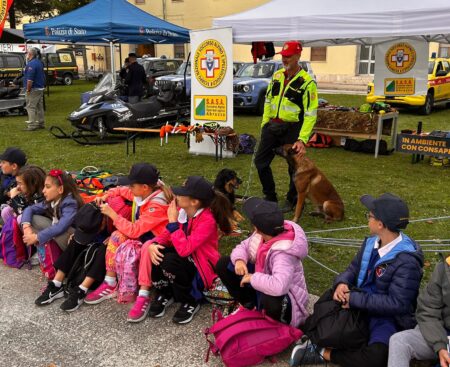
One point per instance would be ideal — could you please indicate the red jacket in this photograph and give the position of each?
(201, 243)
(152, 214)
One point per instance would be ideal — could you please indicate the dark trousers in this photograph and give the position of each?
(374, 355)
(174, 276)
(278, 308)
(66, 260)
(274, 135)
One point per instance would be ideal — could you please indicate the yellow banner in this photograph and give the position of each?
(210, 108)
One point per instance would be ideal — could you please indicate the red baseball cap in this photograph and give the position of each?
(291, 48)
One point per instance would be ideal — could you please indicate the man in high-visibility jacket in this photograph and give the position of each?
(290, 112)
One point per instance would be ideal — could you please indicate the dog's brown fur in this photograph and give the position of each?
(311, 182)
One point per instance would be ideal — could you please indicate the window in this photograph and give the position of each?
(318, 54)
(139, 2)
(444, 51)
(13, 62)
(178, 51)
(366, 60)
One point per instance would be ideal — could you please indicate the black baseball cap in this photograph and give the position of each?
(389, 209)
(132, 54)
(196, 187)
(14, 155)
(265, 215)
(140, 173)
(87, 222)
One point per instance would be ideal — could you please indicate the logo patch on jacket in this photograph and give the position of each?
(380, 270)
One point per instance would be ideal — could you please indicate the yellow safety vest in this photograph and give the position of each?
(297, 102)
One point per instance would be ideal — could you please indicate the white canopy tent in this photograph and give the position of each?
(341, 22)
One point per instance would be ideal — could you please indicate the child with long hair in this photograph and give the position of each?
(53, 218)
(184, 256)
(150, 199)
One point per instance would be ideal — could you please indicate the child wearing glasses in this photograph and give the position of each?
(382, 280)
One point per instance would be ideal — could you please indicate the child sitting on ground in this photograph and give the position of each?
(429, 340)
(265, 270)
(150, 201)
(53, 218)
(184, 256)
(383, 279)
(30, 183)
(87, 223)
(11, 160)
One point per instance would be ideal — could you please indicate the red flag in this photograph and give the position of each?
(4, 8)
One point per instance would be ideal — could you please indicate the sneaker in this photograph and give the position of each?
(49, 294)
(306, 353)
(103, 292)
(75, 299)
(158, 305)
(140, 309)
(186, 313)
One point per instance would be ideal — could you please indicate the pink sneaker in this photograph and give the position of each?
(140, 309)
(104, 291)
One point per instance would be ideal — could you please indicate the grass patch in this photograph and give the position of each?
(425, 188)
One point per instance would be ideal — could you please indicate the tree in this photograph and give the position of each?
(41, 9)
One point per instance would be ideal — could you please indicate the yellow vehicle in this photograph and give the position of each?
(438, 89)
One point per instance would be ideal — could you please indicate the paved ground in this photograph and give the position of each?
(32, 336)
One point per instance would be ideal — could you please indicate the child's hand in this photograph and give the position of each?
(108, 211)
(101, 199)
(30, 238)
(246, 279)
(14, 192)
(340, 292)
(444, 358)
(240, 267)
(155, 254)
(172, 212)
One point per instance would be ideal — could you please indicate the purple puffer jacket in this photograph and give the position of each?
(283, 269)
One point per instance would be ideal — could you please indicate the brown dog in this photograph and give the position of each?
(311, 182)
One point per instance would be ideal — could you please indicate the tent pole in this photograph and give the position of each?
(113, 66)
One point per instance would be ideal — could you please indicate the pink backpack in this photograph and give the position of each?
(248, 337)
(127, 269)
(48, 253)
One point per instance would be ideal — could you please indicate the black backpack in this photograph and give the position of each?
(247, 144)
(81, 266)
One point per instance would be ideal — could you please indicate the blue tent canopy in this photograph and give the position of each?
(106, 21)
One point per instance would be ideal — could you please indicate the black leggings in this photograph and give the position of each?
(278, 308)
(174, 276)
(374, 355)
(66, 260)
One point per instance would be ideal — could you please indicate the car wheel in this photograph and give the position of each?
(67, 79)
(428, 106)
(260, 105)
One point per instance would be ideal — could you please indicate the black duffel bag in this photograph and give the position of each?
(331, 326)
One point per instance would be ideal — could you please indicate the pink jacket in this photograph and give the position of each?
(201, 243)
(283, 269)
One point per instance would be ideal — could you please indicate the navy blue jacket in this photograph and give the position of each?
(396, 280)
(68, 207)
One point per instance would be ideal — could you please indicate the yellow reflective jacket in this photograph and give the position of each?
(297, 102)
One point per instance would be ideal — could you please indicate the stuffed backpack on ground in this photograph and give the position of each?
(128, 255)
(81, 266)
(247, 144)
(48, 253)
(331, 326)
(13, 251)
(318, 140)
(248, 337)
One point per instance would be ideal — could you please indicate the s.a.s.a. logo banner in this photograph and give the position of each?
(400, 58)
(210, 63)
